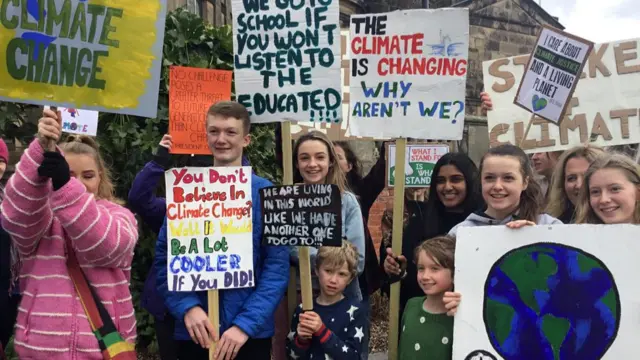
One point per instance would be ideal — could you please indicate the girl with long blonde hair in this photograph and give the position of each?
(568, 179)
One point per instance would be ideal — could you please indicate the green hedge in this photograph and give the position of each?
(127, 142)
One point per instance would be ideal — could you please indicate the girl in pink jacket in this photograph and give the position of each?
(51, 199)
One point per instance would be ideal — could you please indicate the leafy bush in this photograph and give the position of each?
(127, 142)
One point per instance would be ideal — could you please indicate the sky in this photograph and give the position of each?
(597, 20)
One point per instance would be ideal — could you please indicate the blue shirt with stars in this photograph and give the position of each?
(339, 338)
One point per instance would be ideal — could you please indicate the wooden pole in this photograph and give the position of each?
(398, 222)
(51, 145)
(213, 300)
(287, 179)
(526, 131)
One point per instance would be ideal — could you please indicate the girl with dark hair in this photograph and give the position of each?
(453, 195)
(511, 194)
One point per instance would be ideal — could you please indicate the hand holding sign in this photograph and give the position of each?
(49, 129)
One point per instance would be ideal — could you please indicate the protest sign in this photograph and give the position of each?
(103, 56)
(602, 111)
(340, 131)
(419, 164)
(547, 292)
(408, 74)
(191, 92)
(287, 59)
(209, 228)
(552, 73)
(302, 215)
(79, 121)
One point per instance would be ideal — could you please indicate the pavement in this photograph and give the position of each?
(378, 356)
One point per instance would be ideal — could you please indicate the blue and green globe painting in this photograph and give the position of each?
(549, 301)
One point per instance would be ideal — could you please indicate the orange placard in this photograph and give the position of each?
(191, 92)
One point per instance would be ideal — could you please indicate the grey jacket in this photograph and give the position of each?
(476, 219)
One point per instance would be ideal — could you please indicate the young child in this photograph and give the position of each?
(427, 321)
(334, 329)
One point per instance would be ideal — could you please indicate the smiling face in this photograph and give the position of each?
(226, 140)
(313, 161)
(502, 185)
(433, 278)
(573, 177)
(84, 168)
(450, 186)
(333, 280)
(613, 197)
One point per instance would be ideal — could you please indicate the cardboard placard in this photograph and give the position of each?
(191, 92)
(209, 228)
(547, 292)
(302, 215)
(419, 164)
(552, 73)
(287, 60)
(602, 111)
(104, 56)
(78, 121)
(408, 74)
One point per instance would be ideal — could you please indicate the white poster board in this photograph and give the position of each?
(603, 111)
(287, 64)
(420, 159)
(408, 74)
(547, 292)
(552, 73)
(79, 121)
(209, 228)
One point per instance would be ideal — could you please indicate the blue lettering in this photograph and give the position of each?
(234, 261)
(222, 262)
(175, 268)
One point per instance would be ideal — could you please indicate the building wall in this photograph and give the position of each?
(498, 28)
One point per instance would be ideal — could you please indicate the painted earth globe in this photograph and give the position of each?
(551, 301)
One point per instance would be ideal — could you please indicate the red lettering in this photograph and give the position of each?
(422, 66)
(178, 194)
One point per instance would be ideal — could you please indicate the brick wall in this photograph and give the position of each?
(385, 199)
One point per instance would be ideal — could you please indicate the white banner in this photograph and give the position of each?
(287, 60)
(209, 228)
(552, 73)
(547, 292)
(603, 110)
(408, 73)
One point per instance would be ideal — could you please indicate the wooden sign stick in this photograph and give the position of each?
(396, 240)
(51, 145)
(213, 301)
(287, 179)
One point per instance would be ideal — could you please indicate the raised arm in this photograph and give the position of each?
(26, 214)
(102, 233)
(142, 196)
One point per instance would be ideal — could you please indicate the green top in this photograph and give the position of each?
(423, 335)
